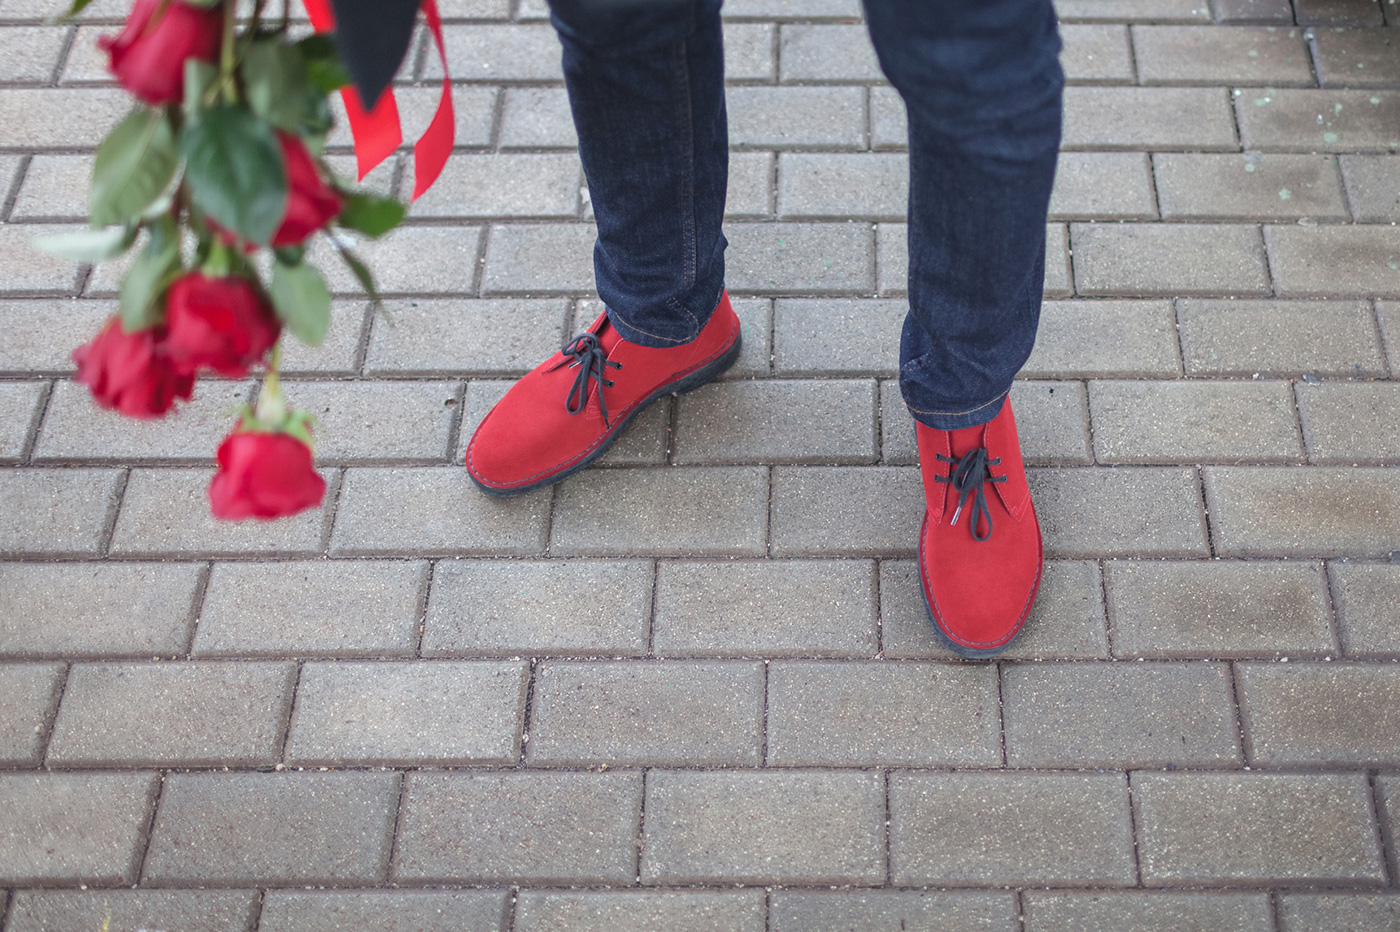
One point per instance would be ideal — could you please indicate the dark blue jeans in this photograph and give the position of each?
(982, 84)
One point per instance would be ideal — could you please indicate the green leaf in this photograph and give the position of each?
(134, 165)
(323, 64)
(370, 214)
(358, 269)
(233, 166)
(199, 77)
(73, 11)
(154, 269)
(302, 302)
(88, 245)
(276, 83)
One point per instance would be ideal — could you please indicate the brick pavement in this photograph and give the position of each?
(694, 688)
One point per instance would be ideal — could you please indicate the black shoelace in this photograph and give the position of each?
(968, 475)
(592, 364)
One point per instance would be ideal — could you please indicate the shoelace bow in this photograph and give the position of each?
(969, 473)
(592, 365)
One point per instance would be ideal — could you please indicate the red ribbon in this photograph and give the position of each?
(377, 133)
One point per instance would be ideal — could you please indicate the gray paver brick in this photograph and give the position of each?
(55, 187)
(1356, 58)
(41, 334)
(647, 714)
(748, 51)
(1318, 120)
(540, 258)
(878, 714)
(1104, 339)
(361, 422)
(780, 608)
(284, 828)
(432, 511)
(1279, 338)
(1102, 186)
(1119, 715)
(1274, 55)
(29, 270)
(1067, 621)
(339, 353)
(866, 184)
(1155, 11)
(1168, 259)
(794, 9)
(1350, 422)
(504, 52)
(1148, 117)
(569, 828)
(837, 336)
(28, 696)
(1373, 187)
(804, 827)
(1339, 912)
(133, 910)
(55, 511)
(19, 402)
(828, 53)
(676, 911)
(1388, 316)
(442, 712)
(857, 511)
(1314, 511)
(58, 118)
(892, 258)
(756, 327)
(811, 911)
(554, 607)
(666, 512)
(30, 53)
(166, 512)
(409, 259)
(501, 185)
(750, 185)
(889, 121)
(1268, 828)
(1194, 422)
(897, 442)
(96, 609)
(1057, 253)
(1365, 596)
(799, 257)
(1227, 186)
(172, 715)
(342, 609)
(73, 828)
(475, 9)
(76, 429)
(1217, 609)
(757, 422)
(1304, 714)
(385, 911)
(537, 117)
(1097, 53)
(1051, 422)
(970, 829)
(1144, 511)
(1254, 11)
(790, 117)
(1146, 912)
(474, 108)
(1328, 260)
(1338, 12)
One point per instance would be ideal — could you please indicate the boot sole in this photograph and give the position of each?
(687, 383)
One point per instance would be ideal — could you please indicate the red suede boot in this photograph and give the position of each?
(569, 410)
(980, 552)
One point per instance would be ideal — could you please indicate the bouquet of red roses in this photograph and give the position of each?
(217, 178)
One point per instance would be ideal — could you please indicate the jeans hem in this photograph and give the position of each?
(974, 416)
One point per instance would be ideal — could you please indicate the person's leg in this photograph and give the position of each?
(982, 86)
(646, 85)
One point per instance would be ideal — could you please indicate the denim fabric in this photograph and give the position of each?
(982, 85)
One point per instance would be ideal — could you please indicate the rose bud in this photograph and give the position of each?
(311, 203)
(130, 373)
(263, 475)
(148, 57)
(224, 324)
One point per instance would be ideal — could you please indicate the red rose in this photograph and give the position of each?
(264, 476)
(130, 373)
(148, 58)
(311, 203)
(222, 323)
